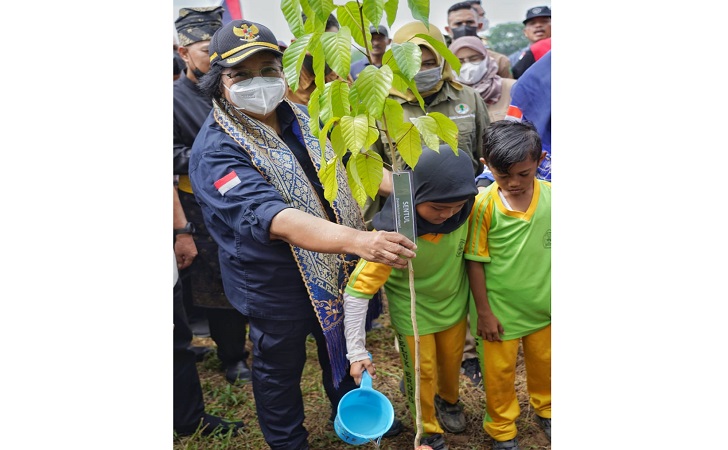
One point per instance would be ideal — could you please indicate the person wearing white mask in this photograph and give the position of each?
(285, 251)
(484, 23)
(480, 71)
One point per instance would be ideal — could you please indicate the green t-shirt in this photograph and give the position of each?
(441, 284)
(516, 249)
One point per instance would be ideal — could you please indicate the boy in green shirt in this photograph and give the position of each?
(508, 259)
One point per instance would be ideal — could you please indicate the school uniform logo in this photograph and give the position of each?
(227, 182)
(461, 248)
(547, 239)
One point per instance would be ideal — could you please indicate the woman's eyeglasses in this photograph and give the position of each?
(241, 76)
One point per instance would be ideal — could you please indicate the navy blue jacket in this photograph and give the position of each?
(260, 276)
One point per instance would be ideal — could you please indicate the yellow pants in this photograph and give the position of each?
(498, 364)
(440, 357)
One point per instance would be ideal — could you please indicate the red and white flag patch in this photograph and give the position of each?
(514, 113)
(227, 182)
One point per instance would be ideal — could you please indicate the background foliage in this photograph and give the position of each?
(507, 38)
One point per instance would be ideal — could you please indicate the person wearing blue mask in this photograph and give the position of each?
(285, 250)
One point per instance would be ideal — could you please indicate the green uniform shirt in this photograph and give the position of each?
(441, 284)
(516, 249)
(464, 106)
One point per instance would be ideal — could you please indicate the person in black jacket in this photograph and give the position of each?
(203, 281)
(537, 27)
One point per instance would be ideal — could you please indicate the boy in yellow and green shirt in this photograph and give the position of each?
(508, 255)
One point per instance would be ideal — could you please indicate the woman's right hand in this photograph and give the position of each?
(386, 247)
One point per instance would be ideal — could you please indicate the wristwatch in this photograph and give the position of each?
(188, 229)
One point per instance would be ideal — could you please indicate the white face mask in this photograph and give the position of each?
(486, 25)
(259, 95)
(472, 73)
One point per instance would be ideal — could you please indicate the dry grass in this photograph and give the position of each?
(236, 402)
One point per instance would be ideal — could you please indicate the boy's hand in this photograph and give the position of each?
(489, 327)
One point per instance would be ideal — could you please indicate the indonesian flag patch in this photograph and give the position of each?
(227, 182)
(514, 113)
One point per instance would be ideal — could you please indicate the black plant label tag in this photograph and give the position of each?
(404, 205)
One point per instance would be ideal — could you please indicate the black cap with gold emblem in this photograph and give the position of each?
(240, 39)
(198, 24)
(537, 11)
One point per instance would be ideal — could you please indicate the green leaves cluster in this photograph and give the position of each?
(507, 38)
(353, 116)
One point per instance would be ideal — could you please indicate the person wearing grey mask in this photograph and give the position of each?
(441, 93)
(427, 79)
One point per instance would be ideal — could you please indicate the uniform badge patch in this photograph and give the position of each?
(462, 108)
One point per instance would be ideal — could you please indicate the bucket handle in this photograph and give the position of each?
(366, 380)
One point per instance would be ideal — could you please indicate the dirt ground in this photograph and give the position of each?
(236, 402)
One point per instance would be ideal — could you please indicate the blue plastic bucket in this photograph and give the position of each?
(364, 414)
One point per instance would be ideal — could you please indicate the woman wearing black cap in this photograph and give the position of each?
(285, 250)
